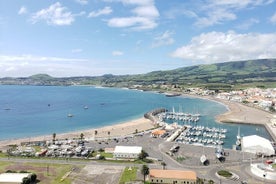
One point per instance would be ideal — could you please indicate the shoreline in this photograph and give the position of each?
(116, 130)
(236, 113)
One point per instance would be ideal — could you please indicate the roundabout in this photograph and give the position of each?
(227, 175)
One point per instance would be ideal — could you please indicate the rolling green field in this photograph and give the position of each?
(218, 76)
(46, 173)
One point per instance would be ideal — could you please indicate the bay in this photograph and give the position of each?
(27, 111)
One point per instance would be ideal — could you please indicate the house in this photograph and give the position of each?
(158, 176)
(158, 133)
(128, 152)
(13, 178)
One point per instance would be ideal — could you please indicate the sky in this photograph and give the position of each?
(94, 37)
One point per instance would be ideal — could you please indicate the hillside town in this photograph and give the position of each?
(260, 98)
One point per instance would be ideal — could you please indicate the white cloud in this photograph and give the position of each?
(22, 10)
(216, 16)
(163, 39)
(138, 2)
(248, 23)
(31, 58)
(146, 11)
(117, 53)
(144, 16)
(136, 23)
(273, 19)
(83, 2)
(219, 47)
(238, 4)
(26, 65)
(56, 14)
(105, 11)
(213, 12)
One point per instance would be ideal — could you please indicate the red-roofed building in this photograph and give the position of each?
(158, 176)
(157, 133)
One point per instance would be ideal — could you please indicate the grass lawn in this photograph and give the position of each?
(129, 174)
(106, 155)
(224, 173)
(46, 173)
(3, 155)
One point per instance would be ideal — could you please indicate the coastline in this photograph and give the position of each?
(241, 114)
(117, 130)
(236, 113)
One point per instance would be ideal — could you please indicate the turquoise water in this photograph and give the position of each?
(41, 110)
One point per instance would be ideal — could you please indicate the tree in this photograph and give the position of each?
(95, 133)
(143, 155)
(163, 165)
(26, 180)
(81, 136)
(145, 171)
(54, 138)
(33, 177)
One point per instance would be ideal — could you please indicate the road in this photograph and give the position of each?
(236, 161)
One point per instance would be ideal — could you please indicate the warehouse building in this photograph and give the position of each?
(13, 178)
(127, 152)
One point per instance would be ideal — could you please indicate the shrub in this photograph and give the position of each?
(225, 173)
(23, 171)
(33, 177)
(26, 180)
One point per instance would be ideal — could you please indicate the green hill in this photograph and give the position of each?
(261, 73)
(228, 75)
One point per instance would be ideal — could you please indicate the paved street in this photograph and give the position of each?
(186, 158)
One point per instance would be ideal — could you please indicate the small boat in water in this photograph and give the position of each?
(238, 142)
(172, 94)
(70, 115)
(85, 107)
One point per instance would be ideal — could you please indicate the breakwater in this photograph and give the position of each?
(152, 114)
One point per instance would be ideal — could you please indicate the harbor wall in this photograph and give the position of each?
(151, 115)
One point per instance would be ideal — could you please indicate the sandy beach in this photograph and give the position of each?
(122, 129)
(237, 113)
(240, 113)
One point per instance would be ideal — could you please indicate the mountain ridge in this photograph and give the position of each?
(235, 73)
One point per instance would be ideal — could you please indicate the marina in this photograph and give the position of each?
(93, 107)
(200, 135)
(195, 131)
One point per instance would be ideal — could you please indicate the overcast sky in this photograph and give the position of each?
(96, 37)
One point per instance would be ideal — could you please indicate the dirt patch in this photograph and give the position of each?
(98, 174)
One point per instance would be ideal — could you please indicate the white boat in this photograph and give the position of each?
(203, 159)
(70, 115)
(238, 142)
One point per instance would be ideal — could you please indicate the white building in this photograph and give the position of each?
(257, 145)
(127, 151)
(13, 178)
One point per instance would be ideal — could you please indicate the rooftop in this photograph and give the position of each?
(128, 149)
(176, 174)
(13, 177)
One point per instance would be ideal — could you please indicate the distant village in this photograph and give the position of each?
(260, 98)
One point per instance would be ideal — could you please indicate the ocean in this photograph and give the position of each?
(28, 111)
